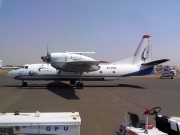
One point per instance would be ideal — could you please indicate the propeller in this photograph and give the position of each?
(46, 58)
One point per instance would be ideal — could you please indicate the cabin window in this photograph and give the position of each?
(100, 72)
(114, 72)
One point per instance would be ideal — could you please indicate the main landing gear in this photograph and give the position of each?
(24, 84)
(79, 85)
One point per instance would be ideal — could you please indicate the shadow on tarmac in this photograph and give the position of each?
(62, 89)
(65, 90)
(59, 88)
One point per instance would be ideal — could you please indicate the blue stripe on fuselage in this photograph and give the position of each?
(141, 72)
(17, 77)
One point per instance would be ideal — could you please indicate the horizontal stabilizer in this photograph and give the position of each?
(155, 62)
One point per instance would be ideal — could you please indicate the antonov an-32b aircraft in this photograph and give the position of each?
(72, 66)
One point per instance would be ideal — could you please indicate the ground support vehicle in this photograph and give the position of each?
(59, 123)
(164, 125)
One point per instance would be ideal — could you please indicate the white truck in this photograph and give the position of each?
(168, 72)
(59, 123)
(165, 125)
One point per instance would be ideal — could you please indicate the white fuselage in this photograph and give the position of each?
(106, 72)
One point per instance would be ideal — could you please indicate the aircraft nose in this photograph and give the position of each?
(11, 74)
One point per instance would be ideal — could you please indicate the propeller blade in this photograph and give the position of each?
(46, 58)
(47, 51)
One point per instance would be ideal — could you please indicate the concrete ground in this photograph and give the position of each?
(102, 105)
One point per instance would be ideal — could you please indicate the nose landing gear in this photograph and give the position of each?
(24, 84)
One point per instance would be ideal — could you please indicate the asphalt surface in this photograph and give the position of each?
(102, 105)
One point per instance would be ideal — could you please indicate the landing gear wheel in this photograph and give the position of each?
(24, 84)
(80, 85)
(155, 110)
(73, 82)
(172, 77)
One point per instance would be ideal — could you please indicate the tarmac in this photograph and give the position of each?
(102, 105)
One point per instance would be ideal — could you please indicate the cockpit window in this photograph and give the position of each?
(26, 67)
(17, 68)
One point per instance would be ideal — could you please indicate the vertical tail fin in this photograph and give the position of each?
(144, 51)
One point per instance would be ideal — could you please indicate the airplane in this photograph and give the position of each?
(76, 67)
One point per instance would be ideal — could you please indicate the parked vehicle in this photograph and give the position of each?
(168, 72)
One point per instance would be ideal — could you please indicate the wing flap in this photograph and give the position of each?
(156, 62)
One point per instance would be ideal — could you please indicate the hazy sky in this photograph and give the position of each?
(111, 28)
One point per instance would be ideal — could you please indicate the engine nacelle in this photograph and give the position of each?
(68, 57)
(71, 62)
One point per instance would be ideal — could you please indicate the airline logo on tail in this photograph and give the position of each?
(145, 54)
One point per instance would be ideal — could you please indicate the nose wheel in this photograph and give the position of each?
(24, 84)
